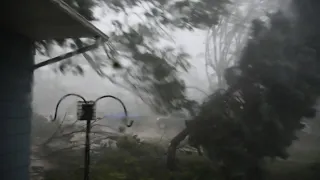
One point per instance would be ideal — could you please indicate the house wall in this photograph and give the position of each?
(16, 76)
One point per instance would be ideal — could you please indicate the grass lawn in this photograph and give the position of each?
(287, 170)
(302, 166)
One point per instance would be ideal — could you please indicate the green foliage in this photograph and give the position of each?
(273, 86)
(143, 161)
(137, 160)
(182, 14)
(132, 160)
(152, 73)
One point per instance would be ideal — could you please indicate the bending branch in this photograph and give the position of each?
(66, 56)
(171, 156)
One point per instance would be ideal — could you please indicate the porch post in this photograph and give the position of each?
(16, 77)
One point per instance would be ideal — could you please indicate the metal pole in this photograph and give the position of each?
(88, 129)
(88, 126)
(87, 151)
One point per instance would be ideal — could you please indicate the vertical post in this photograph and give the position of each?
(86, 112)
(16, 77)
(87, 151)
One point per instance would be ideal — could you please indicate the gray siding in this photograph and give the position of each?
(16, 60)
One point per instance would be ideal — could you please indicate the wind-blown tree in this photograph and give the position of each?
(271, 88)
(151, 71)
(227, 38)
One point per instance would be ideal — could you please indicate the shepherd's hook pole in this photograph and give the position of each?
(87, 151)
(87, 140)
(128, 124)
(87, 113)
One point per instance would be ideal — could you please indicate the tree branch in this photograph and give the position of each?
(65, 56)
(171, 156)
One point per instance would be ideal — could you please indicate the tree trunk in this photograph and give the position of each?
(171, 156)
(16, 76)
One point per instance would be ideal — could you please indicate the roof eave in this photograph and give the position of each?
(66, 8)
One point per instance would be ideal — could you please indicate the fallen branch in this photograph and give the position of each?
(171, 156)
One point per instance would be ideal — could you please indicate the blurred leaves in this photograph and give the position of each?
(151, 71)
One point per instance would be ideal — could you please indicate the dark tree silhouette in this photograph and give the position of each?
(271, 88)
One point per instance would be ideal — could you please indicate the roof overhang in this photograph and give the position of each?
(46, 19)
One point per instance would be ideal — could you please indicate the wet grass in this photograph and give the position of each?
(302, 166)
